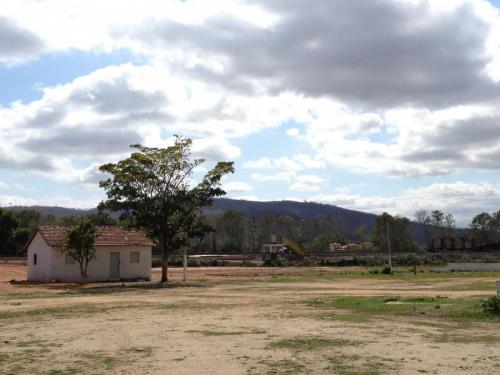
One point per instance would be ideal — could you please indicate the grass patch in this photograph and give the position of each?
(460, 339)
(465, 310)
(475, 286)
(343, 364)
(146, 351)
(68, 311)
(224, 333)
(281, 367)
(398, 275)
(67, 371)
(307, 343)
(350, 318)
(87, 309)
(40, 361)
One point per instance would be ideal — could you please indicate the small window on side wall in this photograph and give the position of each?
(134, 257)
(68, 259)
(35, 258)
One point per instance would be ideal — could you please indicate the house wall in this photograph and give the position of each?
(99, 268)
(473, 267)
(40, 271)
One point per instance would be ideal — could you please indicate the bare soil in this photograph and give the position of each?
(236, 321)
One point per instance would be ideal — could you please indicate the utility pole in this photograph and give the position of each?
(253, 234)
(185, 263)
(388, 242)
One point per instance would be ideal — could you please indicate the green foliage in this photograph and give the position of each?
(485, 227)
(237, 232)
(435, 224)
(230, 228)
(387, 270)
(152, 188)
(80, 245)
(310, 343)
(273, 262)
(491, 305)
(457, 309)
(399, 232)
(8, 226)
(321, 242)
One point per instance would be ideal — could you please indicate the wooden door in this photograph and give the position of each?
(114, 265)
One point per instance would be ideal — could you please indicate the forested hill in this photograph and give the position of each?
(349, 219)
(298, 210)
(55, 210)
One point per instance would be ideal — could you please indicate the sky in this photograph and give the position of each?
(381, 105)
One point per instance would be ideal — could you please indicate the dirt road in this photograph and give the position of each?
(247, 324)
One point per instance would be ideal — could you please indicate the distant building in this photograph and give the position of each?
(120, 255)
(350, 247)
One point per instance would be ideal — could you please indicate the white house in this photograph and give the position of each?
(120, 255)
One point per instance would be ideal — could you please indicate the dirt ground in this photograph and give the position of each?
(239, 321)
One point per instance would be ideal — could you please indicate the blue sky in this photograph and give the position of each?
(308, 104)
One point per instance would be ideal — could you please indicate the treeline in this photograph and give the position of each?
(17, 225)
(483, 230)
(235, 232)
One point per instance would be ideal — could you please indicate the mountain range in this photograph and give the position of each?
(350, 219)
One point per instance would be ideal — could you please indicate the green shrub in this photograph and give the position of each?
(175, 261)
(491, 305)
(273, 263)
(387, 270)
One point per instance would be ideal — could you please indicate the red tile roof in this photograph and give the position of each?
(106, 236)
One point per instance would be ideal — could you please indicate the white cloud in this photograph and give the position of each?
(60, 201)
(262, 163)
(416, 96)
(191, 83)
(297, 182)
(237, 187)
(464, 200)
(293, 132)
(3, 185)
(296, 163)
(215, 149)
(248, 198)
(16, 42)
(307, 183)
(280, 176)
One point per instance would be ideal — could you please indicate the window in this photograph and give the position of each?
(134, 257)
(68, 259)
(35, 256)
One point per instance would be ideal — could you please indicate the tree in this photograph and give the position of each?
(231, 230)
(28, 221)
(443, 223)
(80, 245)
(435, 224)
(485, 227)
(8, 227)
(399, 232)
(152, 188)
(424, 219)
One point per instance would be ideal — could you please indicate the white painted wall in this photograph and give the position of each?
(473, 267)
(51, 263)
(40, 271)
(99, 268)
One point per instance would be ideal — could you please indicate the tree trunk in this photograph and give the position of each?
(164, 259)
(83, 273)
